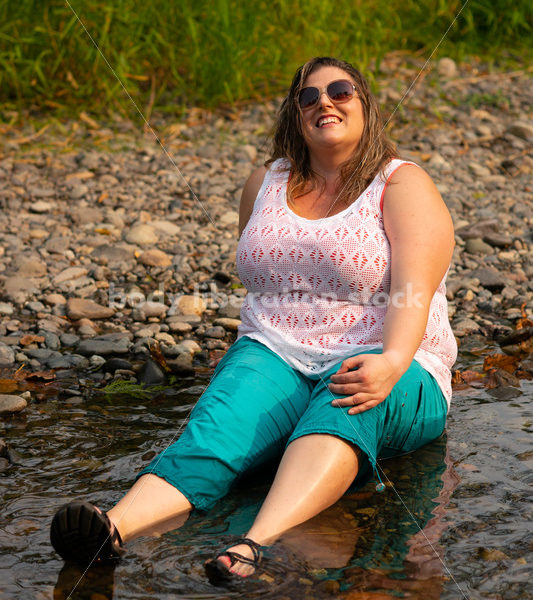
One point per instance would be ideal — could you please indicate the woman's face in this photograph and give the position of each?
(327, 125)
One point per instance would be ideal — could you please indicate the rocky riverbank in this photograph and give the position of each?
(114, 266)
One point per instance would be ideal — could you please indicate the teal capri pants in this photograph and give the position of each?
(256, 404)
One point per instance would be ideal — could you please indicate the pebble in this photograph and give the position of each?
(465, 327)
(151, 373)
(7, 356)
(142, 235)
(80, 308)
(155, 258)
(102, 347)
(180, 327)
(477, 245)
(191, 305)
(11, 404)
(447, 68)
(228, 324)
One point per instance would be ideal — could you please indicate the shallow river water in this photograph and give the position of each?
(456, 524)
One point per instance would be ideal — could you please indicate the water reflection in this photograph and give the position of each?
(366, 546)
(366, 543)
(77, 583)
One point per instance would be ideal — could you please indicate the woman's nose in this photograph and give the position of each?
(324, 99)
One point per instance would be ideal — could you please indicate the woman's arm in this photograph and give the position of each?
(248, 196)
(420, 231)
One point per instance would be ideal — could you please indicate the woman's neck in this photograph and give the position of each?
(327, 164)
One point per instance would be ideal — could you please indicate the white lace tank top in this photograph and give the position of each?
(317, 289)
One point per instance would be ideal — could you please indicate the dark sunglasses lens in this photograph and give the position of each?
(340, 91)
(308, 97)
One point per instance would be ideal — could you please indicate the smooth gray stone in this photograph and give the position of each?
(69, 339)
(151, 373)
(103, 347)
(11, 404)
(7, 356)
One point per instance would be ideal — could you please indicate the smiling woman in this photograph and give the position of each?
(330, 371)
(366, 152)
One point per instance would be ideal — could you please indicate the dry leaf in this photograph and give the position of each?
(8, 386)
(500, 361)
(28, 339)
(157, 356)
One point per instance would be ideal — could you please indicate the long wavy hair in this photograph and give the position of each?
(370, 157)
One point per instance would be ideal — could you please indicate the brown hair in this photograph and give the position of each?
(370, 157)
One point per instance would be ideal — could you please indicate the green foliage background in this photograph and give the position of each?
(175, 53)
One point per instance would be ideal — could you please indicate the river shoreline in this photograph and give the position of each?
(117, 255)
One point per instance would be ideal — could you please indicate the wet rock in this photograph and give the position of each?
(113, 364)
(151, 373)
(81, 308)
(103, 347)
(11, 404)
(181, 365)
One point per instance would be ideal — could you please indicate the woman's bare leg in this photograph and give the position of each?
(314, 473)
(152, 506)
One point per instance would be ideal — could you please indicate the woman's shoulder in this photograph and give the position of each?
(394, 165)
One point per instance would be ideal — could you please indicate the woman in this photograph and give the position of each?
(345, 348)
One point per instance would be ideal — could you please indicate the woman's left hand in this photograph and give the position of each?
(367, 379)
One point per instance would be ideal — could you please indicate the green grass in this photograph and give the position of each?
(207, 53)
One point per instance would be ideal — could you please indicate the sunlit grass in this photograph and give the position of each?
(199, 52)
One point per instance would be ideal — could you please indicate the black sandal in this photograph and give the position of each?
(218, 572)
(82, 533)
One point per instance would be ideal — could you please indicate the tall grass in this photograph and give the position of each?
(209, 52)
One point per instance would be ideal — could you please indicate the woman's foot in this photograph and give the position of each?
(238, 560)
(82, 533)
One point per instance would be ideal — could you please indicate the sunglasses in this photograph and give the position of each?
(338, 91)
